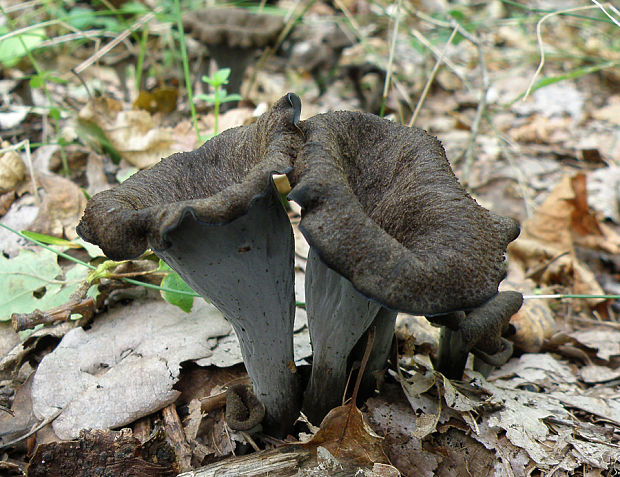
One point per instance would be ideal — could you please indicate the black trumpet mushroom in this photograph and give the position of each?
(385, 215)
(389, 227)
(215, 216)
(233, 37)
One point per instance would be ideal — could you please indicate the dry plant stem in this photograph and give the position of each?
(611, 7)
(176, 436)
(541, 46)
(32, 431)
(454, 68)
(26, 321)
(431, 78)
(121, 37)
(292, 21)
(388, 76)
(480, 111)
(508, 154)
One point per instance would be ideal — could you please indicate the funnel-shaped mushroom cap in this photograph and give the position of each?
(217, 182)
(215, 216)
(233, 36)
(234, 27)
(382, 207)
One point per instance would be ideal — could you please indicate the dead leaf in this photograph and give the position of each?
(159, 100)
(134, 134)
(124, 367)
(12, 170)
(534, 323)
(61, 207)
(593, 374)
(606, 341)
(347, 437)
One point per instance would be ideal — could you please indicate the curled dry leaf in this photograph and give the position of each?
(546, 247)
(534, 323)
(61, 207)
(12, 170)
(134, 134)
(348, 438)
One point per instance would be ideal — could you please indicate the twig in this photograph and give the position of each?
(440, 59)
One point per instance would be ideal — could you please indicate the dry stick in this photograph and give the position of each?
(541, 46)
(431, 78)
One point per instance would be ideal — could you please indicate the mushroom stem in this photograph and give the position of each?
(384, 333)
(338, 315)
(245, 267)
(479, 331)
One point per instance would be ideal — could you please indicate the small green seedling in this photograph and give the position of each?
(219, 95)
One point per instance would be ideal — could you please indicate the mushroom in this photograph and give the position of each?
(233, 36)
(382, 208)
(215, 216)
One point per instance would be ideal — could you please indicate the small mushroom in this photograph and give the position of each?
(233, 36)
(382, 208)
(215, 216)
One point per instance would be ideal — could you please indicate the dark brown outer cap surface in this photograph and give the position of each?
(217, 182)
(383, 208)
(233, 27)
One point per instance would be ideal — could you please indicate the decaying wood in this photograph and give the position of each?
(282, 462)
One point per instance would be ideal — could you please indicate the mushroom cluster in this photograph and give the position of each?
(389, 227)
(233, 37)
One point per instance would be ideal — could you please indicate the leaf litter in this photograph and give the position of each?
(551, 161)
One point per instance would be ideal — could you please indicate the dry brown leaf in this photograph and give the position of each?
(540, 129)
(546, 247)
(134, 134)
(534, 323)
(348, 438)
(12, 170)
(61, 207)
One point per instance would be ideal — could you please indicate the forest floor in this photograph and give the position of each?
(526, 101)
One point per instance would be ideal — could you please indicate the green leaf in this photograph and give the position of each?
(37, 81)
(12, 50)
(576, 73)
(92, 134)
(173, 281)
(220, 77)
(34, 280)
(49, 240)
(55, 113)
